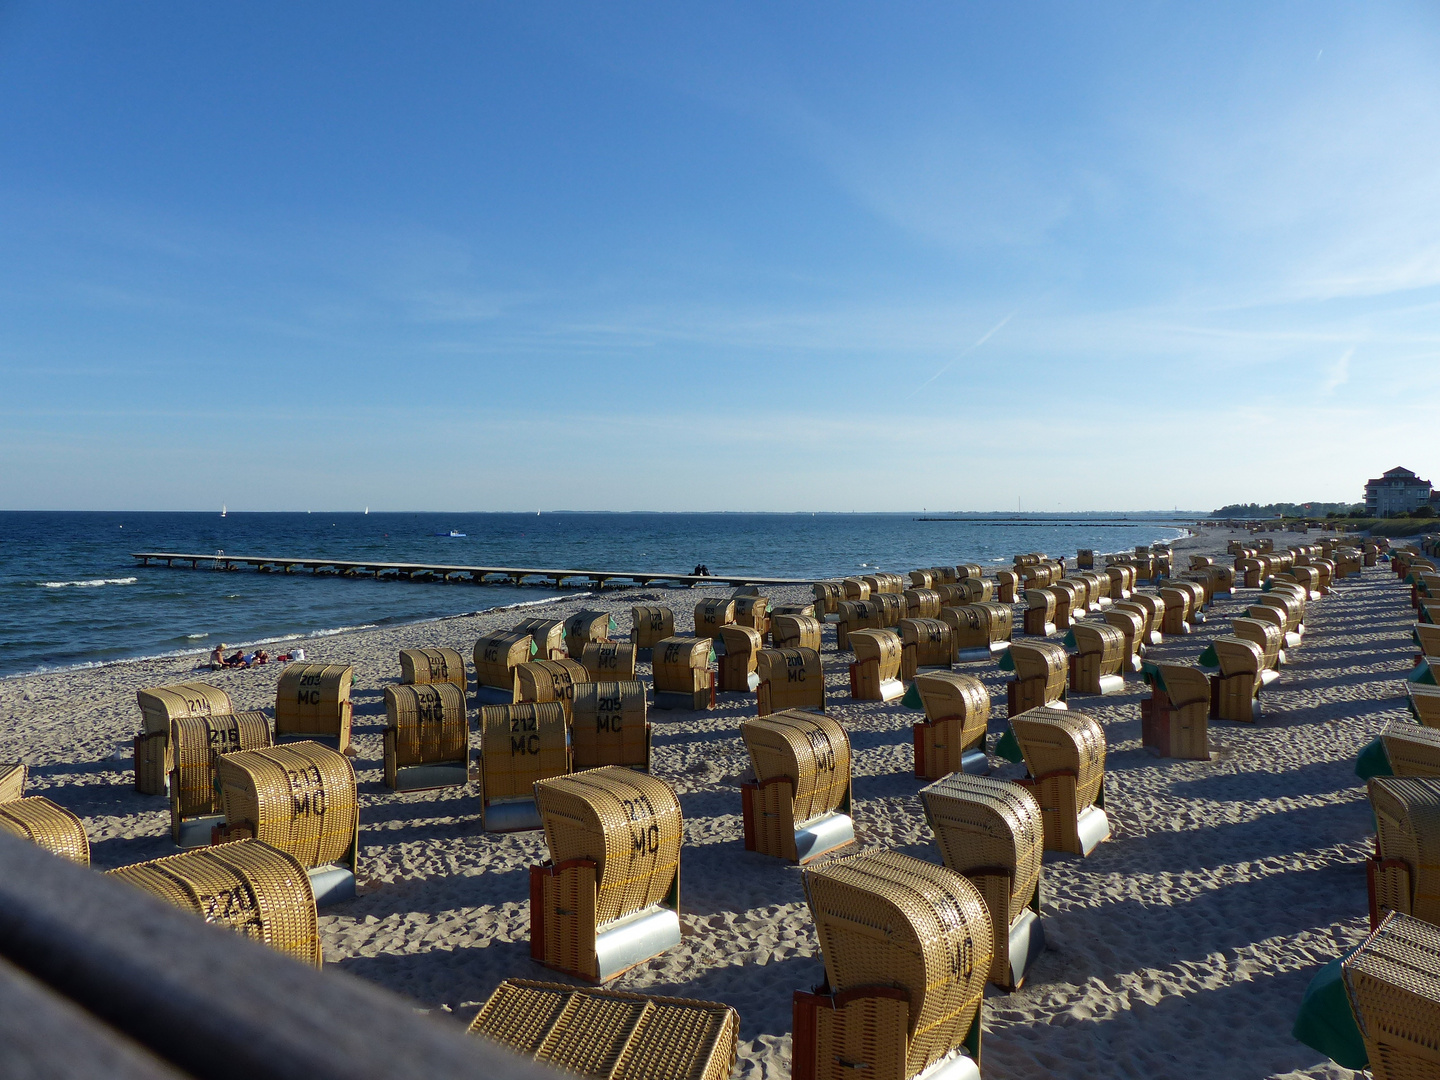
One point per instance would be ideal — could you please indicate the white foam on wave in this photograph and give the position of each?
(93, 583)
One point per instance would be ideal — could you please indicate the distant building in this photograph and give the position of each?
(1398, 491)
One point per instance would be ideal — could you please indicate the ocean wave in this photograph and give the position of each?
(93, 583)
(195, 637)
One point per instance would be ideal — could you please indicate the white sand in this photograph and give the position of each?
(1181, 947)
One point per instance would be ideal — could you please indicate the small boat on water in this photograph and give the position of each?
(452, 532)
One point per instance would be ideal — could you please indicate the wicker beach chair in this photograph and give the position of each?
(754, 612)
(549, 680)
(798, 806)
(12, 781)
(856, 615)
(47, 825)
(1071, 601)
(890, 608)
(922, 579)
(951, 738)
(991, 831)
(964, 571)
(1176, 619)
(1265, 633)
(549, 635)
(1252, 570)
(159, 705)
(1175, 721)
(1122, 581)
(904, 1001)
(497, 656)
(1424, 704)
(979, 631)
(925, 644)
(1393, 982)
(1085, 559)
(611, 1034)
(312, 704)
(1236, 691)
(712, 614)
(789, 679)
(875, 674)
(254, 889)
(427, 737)
(1427, 640)
(795, 632)
(1065, 755)
(1008, 586)
(609, 896)
(1099, 658)
(609, 726)
(433, 665)
(854, 588)
(976, 590)
(1154, 609)
(651, 624)
(1404, 873)
(1130, 621)
(1291, 608)
(684, 678)
(828, 595)
(884, 581)
(1412, 750)
(1039, 617)
(1040, 668)
(737, 648)
(196, 743)
(299, 798)
(921, 603)
(519, 745)
(584, 627)
(612, 661)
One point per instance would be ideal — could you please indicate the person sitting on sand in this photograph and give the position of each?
(235, 661)
(217, 657)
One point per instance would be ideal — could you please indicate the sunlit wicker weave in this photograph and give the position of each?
(1039, 617)
(944, 575)
(1427, 639)
(425, 725)
(754, 612)
(614, 837)
(991, 831)
(890, 608)
(609, 660)
(47, 825)
(973, 590)
(682, 672)
(299, 797)
(828, 595)
(1100, 657)
(1413, 750)
(1065, 754)
(1040, 669)
(855, 615)
(1180, 604)
(1424, 703)
(549, 680)
(796, 632)
(498, 655)
(1175, 721)
(1154, 609)
(924, 643)
(854, 588)
(650, 624)
(886, 920)
(1308, 577)
(1009, 587)
(712, 614)
(549, 635)
(1130, 621)
(196, 742)
(978, 626)
(607, 1034)
(247, 886)
(875, 674)
(884, 581)
(1266, 630)
(1242, 664)
(969, 570)
(922, 603)
(584, 627)
(789, 679)
(520, 744)
(957, 715)
(158, 706)
(738, 648)
(922, 579)
(608, 725)
(312, 701)
(801, 762)
(1393, 982)
(1122, 580)
(1404, 873)
(1028, 558)
(12, 781)
(1070, 601)
(432, 665)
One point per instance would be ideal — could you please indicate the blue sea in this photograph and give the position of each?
(71, 595)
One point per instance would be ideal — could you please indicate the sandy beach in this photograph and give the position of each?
(1180, 947)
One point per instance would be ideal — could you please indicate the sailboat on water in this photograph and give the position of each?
(223, 511)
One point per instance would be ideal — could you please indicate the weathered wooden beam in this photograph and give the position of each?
(213, 1004)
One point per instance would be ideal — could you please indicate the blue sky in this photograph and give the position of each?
(745, 256)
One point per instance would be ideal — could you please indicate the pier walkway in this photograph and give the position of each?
(478, 575)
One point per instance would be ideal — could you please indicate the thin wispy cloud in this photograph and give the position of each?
(981, 340)
(1339, 373)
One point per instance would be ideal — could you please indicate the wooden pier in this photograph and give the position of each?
(478, 575)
